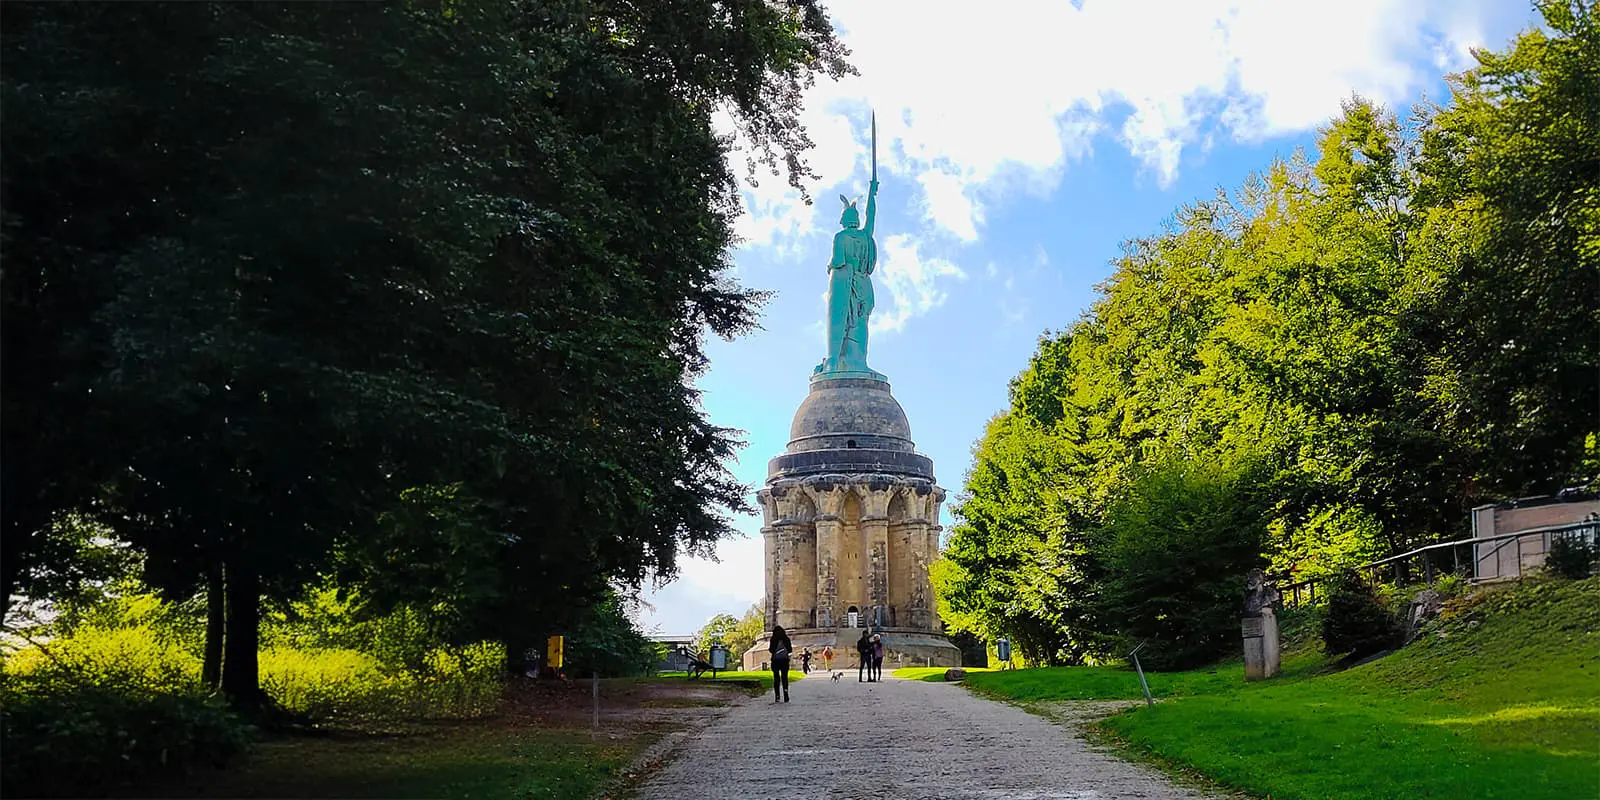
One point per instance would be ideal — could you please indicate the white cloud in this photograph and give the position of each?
(912, 280)
(947, 205)
(970, 99)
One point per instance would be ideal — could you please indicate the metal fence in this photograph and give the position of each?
(1468, 558)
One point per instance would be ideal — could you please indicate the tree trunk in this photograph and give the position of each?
(241, 676)
(216, 603)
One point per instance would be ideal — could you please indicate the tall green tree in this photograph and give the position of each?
(1389, 332)
(1510, 198)
(292, 263)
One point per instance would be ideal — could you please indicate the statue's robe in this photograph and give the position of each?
(850, 298)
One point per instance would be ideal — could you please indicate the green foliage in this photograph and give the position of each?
(65, 735)
(1451, 586)
(109, 696)
(606, 642)
(406, 304)
(1572, 557)
(743, 635)
(1386, 329)
(717, 629)
(1174, 550)
(1510, 225)
(1356, 622)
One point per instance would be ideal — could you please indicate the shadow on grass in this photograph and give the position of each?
(510, 761)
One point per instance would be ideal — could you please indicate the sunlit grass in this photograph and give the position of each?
(1502, 701)
(764, 677)
(933, 674)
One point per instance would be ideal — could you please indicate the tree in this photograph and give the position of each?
(1510, 251)
(1174, 552)
(302, 261)
(750, 627)
(717, 630)
(1386, 332)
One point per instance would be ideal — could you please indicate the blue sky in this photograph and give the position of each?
(1018, 148)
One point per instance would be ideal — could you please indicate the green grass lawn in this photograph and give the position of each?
(1501, 700)
(933, 674)
(764, 677)
(470, 762)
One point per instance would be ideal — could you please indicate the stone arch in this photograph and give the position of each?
(898, 508)
(805, 509)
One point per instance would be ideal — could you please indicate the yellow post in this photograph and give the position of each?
(553, 653)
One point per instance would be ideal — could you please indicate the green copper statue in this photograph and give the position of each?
(850, 298)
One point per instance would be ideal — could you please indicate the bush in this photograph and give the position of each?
(1175, 550)
(62, 737)
(1356, 622)
(1572, 557)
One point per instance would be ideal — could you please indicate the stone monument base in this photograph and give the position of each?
(1261, 646)
(901, 648)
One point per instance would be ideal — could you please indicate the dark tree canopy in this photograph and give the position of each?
(293, 290)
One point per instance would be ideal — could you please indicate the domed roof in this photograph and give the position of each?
(849, 413)
(849, 426)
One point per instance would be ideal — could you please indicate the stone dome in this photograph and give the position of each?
(850, 413)
(849, 426)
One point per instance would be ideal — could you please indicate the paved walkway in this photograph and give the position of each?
(895, 740)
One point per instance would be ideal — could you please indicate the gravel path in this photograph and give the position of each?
(925, 740)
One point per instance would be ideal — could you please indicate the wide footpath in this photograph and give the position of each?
(894, 740)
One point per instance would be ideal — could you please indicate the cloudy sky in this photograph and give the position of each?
(1019, 143)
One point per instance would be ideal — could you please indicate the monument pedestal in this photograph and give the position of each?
(1261, 645)
(902, 648)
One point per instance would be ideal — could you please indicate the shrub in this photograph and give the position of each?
(62, 737)
(1571, 557)
(1175, 550)
(1356, 622)
(1451, 585)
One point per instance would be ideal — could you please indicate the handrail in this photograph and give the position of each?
(1503, 538)
(1481, 540)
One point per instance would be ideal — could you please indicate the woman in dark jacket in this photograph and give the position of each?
(864, 652)
(780, 648)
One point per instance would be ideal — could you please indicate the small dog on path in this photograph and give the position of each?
(836, 675)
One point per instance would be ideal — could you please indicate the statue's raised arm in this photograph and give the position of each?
(872, 209)
(872, 188)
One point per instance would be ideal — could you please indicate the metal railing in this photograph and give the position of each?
(1402, 568)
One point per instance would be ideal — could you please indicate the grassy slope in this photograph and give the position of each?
(1500, 700)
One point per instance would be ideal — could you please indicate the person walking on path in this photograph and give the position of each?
(780, 648)
(805, 661)
(877, 656)
(864, 652)
(827, 657)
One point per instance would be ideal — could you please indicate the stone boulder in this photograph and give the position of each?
(955, 674)
(1424, 607)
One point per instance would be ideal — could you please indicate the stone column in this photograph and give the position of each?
(827, 571)
(875, 541)
(774, 579)
(933, 555)
(794, 573)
